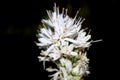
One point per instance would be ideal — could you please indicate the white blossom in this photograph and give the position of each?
(68, 49)
(67, 63)
(75, 70)
(63, 42)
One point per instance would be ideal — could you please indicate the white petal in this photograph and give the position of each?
(55, 56)
(68, 65)
(87, 38)
(70, 34)
(41, 44)
(66, 18)
(44, 53)
(44, 31)
(61, 21)
(81, 71)
(57, 28)
(41, 35)
(71, 40)
(48, 22)
(41, 58)
(75, 70)
(64, 43)
(45, 40)
(55, 76)
(78, 28)
(51, 70)
(69, 23)
(82, 34)
(87, 44)
(71, 46)
(50, 32)
(73, 53)
(50, 48)
(64, 72)
(54, 16)
(62, 61)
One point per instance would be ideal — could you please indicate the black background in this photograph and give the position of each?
(19, 21)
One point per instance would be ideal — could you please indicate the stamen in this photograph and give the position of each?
(54, 7)
(97, 40)
(55, 41)
(83, 20)
(66, 10)
(76, 14)
(63, 10)
(43, 25)
(89, 31)
(49, 14)
(58, 12)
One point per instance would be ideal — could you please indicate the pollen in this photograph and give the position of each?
(55, 41)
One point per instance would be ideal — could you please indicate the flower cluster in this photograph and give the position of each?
(64, 43)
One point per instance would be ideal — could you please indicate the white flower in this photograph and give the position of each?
(64, 28)
(60, 37)
(75, 70)
(67, 64)
(45, 37)
(83, 58)
(62, 61)
(55, 54)
(55, 76)
(65, 74)
(81, 40)
(68, 49)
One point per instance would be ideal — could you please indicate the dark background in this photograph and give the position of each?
(19, 21)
